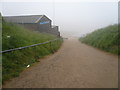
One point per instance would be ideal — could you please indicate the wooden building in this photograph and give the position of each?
(39, 23)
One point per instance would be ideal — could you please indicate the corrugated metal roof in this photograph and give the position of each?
(23, 19)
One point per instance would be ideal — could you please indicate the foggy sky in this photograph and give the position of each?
(73, 19)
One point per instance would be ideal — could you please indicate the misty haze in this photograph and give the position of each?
(72, 18)
(59, 44)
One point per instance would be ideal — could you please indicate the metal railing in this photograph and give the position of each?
(19, 48)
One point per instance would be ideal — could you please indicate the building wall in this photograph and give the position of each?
(54, 30)
(37, 27)
(43, 25)
(31, 26)
(43, 28)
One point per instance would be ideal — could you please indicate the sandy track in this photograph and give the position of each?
(75, 65)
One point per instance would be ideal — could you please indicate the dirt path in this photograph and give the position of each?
(75, 65)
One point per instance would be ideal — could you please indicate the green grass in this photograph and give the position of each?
(0, 50)
(104, 38)
(16, 61)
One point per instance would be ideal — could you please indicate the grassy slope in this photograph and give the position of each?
(0, 50)
(105, 39)
(14, 62)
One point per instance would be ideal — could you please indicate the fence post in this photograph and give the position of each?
(51, 47)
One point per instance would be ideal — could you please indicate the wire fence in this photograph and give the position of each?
(19, 48)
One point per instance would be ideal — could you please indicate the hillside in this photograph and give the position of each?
(14, 36)
(104, 38)
(0, 50)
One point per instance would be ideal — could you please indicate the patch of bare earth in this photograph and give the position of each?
(75, 65)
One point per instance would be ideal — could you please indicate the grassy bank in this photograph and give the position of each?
(14, 36)
(0, 50)
(104, 38)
